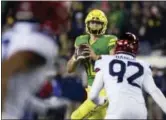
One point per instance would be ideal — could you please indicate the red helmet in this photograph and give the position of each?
(128, 43)
(51, 14)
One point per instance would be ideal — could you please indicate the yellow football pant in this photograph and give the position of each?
(89, 110)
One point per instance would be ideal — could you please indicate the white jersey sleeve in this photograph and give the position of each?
(150, 87)
(96, 88)
(98, 64)
(97, 84)
(36, 42)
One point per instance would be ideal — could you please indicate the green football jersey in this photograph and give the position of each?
(101, 46)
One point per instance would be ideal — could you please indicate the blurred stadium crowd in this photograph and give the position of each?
(145, 19)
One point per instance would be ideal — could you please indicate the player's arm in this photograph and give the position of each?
(97, 84)
(81, 52)
(111, 45)
(19, 62)
(96, 88)
(72, 64)
(151, 88)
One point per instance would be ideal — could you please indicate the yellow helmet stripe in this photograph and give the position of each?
(112, 42)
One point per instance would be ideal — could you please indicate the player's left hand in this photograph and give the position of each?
(93, 55)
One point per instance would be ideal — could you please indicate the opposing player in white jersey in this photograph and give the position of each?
(28, 62)
(124, 79)
(19, 26)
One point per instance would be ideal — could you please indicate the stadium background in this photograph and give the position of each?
(146, 19)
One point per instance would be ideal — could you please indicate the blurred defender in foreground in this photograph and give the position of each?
(88, 49)
(29, 59)
(124, 78)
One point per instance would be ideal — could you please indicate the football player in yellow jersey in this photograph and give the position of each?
(88, 49)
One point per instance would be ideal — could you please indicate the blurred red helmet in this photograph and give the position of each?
(128, 43)
(53, 14)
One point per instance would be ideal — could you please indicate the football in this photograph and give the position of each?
(82, 47)
(81, 50)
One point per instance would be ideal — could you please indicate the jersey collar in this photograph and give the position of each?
(125, 55)
(91, 42)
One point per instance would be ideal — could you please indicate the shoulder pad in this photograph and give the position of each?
(110, 36)
(82, 39)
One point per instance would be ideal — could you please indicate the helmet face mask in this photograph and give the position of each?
(96, 22)
(95, 27)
